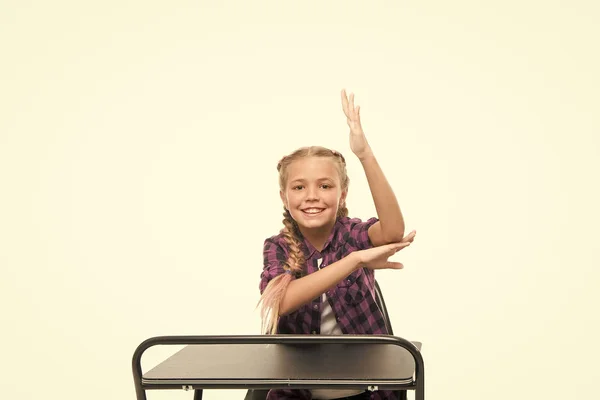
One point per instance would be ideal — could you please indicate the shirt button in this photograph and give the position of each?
(316, 306)
(314, 332)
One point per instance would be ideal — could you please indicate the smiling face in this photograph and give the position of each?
(313, 193)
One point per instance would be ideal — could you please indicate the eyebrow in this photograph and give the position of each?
(320, 179)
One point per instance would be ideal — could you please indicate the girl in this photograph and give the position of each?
(318, 274)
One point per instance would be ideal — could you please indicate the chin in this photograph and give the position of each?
(312, 222)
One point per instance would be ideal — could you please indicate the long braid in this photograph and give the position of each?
(342, 210)
(275, 290)
(295, 261)
(273, 294)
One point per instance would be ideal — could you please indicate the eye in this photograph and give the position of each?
(297, 187)
(326, 186)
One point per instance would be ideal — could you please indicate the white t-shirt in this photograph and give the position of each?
(329, 326)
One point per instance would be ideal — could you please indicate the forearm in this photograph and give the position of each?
(386, 204)
(303, 290)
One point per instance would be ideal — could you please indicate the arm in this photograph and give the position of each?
(300, 291)
(390, 227)
(303, 290)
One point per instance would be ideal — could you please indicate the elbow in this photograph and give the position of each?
(283, 311)
(285, 308)
(395, 236)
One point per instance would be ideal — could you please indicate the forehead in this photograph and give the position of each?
(312, 168)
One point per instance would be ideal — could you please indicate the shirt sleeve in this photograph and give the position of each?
(359, 232)
(274, 257)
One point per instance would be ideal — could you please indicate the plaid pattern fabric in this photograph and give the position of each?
(352, 299)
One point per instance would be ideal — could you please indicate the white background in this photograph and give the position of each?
(138, 145)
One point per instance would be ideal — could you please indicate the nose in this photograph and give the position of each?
(312, 193)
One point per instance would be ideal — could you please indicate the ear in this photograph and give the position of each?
(283, 199)
(343, 198)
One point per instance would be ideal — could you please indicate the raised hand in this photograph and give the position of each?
(358, 142)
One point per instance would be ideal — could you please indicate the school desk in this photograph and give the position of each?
(367, 362)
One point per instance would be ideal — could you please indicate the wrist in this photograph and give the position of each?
(366, 156)
(356, 260)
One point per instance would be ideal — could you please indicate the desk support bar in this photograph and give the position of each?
(275, 339)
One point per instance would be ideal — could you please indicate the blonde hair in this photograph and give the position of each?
(275, 290)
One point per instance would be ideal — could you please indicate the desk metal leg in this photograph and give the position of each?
(420, 390)
(197, 394)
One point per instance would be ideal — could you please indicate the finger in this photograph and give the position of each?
(397, 250)
(351, 101)
(394, 265)
(344, 102)
(399, 245)
(410, 237)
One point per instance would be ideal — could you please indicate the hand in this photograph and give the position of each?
(377, 257)
(358, 141)
(410, 237)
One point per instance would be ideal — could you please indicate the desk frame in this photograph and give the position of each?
(140, 387)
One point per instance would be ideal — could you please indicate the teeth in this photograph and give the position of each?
(312, 210)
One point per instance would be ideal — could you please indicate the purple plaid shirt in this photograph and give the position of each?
(352, 299)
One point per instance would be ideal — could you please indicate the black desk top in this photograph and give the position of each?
(333, 365)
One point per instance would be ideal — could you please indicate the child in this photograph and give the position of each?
(318, 275)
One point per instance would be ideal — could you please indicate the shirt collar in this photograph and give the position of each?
(330, 242)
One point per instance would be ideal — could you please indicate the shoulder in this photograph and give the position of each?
(275, 249)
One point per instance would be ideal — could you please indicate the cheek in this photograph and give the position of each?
(333, 198)
(293, 198)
